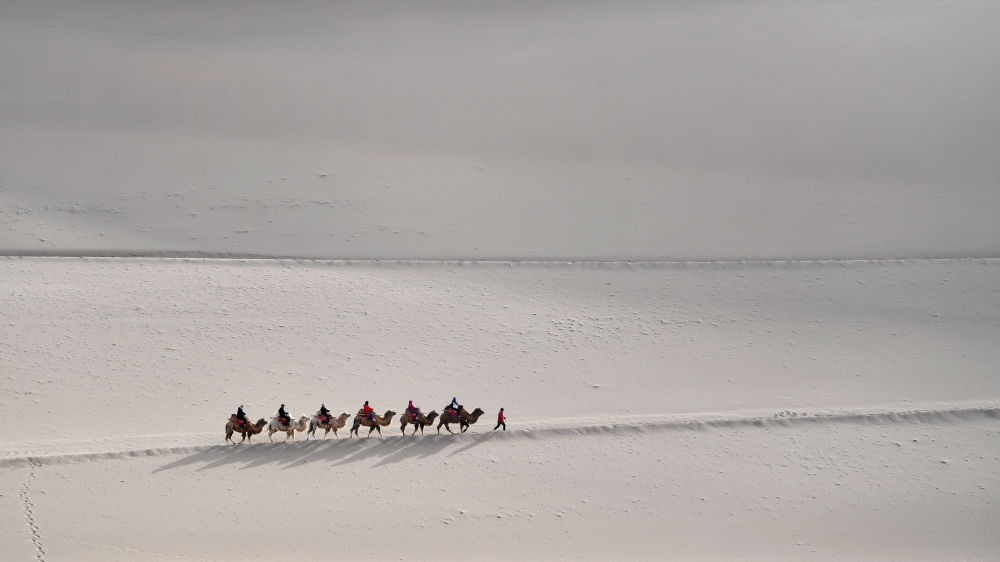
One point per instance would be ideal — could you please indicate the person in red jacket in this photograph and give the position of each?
(412, 410)
(500, 420)
(369, 411)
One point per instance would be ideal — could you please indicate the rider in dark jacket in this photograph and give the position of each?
(241, 415)
(324, 413)
(283, 415)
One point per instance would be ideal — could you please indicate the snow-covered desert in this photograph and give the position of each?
(732, 269)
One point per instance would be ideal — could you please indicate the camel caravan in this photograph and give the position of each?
(323, 419)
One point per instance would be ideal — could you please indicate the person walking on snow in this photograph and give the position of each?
(500, 420)
(369, 411)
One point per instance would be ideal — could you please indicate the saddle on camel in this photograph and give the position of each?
(283, 416)
(324, 414)
(412, 412)
(241, 417)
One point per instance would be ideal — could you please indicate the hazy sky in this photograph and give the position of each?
(473, 128)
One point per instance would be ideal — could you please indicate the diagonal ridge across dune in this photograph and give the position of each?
(530, 429)
(621, 262)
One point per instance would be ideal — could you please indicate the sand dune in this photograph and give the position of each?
(113, 337)
(731, 268)
(722, 410)
(118, 449)
(680, 130)
(825, 491)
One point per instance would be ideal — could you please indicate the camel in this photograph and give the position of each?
(277, 425)
(418, 423)
(361, 419)
(463, 419)
(335, 423)
(247, 431)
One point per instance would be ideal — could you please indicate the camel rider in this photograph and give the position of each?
(241, 415)
(454, 405)
(369, 411)
(413, 410)
(283, 415)
(324, 414)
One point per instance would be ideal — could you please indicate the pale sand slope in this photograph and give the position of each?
(859, 490)
(565, 128)
(685, 452)
(477, 129)
(185, 342)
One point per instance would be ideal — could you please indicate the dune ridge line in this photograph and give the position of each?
(581, 263)
(559, 427)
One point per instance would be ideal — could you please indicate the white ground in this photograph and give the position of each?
(821, 384)
(656, 411)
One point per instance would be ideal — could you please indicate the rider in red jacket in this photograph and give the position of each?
(412, 410)
(369, 411)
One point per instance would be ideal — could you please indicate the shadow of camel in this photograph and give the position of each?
(385, 451)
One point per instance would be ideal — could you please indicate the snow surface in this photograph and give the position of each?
(732, 268)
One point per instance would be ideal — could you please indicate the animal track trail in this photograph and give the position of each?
(29, 516)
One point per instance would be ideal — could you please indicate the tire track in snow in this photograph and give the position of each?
(566, 427)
